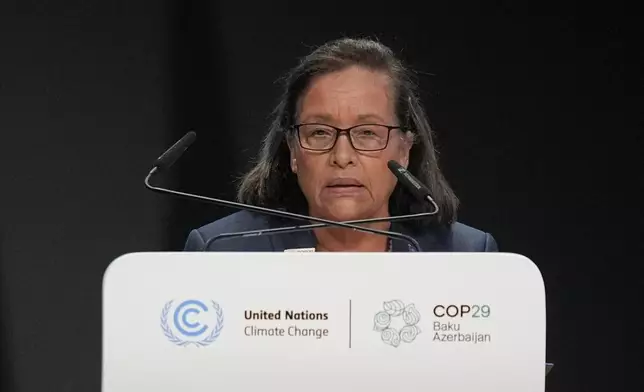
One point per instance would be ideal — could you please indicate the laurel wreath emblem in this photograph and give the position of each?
(167, 331)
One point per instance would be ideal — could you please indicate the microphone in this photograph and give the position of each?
(173, 153)
(408, 181)
(169, 157)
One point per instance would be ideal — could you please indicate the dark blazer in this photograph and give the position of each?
(456, 238)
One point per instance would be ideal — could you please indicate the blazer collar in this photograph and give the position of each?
(298, 240)
(430, 240)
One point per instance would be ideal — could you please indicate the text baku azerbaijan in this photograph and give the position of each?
(450, 332)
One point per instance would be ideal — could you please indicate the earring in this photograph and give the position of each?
(294, 166)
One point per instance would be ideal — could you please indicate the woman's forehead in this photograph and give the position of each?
(355, 94)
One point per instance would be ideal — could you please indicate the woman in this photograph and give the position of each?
(347, 109)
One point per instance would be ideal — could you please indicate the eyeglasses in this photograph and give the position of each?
(363, 137)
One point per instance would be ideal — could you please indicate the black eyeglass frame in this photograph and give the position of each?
(339, 131)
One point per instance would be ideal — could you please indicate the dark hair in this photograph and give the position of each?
(270, 183)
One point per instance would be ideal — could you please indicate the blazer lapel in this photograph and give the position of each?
(430, 239)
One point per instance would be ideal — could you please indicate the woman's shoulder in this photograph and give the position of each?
(465, 238)
(456, 237)
(238, 221)
(233, 223)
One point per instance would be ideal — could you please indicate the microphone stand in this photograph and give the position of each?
(284, 214)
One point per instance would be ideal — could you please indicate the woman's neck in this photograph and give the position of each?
(349, 240)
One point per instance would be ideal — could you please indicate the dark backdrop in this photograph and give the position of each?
(536, 109)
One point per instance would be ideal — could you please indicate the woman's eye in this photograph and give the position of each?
(366, 133)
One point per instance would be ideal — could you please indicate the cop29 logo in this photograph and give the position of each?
(192, 322)
(397, 322)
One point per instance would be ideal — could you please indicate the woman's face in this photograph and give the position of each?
(345, 184)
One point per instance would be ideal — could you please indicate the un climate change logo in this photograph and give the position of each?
(191, 322)
(385, 322)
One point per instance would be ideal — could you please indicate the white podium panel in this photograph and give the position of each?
(342, 322)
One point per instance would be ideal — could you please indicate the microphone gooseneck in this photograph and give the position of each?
(297, 229)
(408, 181)
(173, 153)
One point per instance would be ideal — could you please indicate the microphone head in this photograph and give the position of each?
(170, 156)
(409, 182)
(393, 166)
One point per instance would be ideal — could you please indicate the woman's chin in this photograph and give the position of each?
(346, 211)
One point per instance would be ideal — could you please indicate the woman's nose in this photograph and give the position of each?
(343, 153)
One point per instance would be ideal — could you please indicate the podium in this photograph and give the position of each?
(341, 322)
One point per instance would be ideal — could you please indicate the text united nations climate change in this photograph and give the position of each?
(292, 330)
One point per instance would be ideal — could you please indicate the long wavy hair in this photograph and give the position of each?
(270, 182)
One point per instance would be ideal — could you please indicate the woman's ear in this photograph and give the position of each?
(293, 159)
(408, 142)
(293, 164)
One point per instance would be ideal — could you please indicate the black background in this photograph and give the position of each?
(537, 110)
